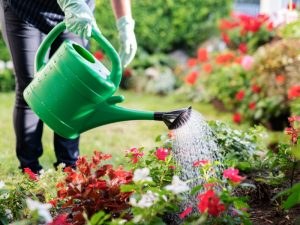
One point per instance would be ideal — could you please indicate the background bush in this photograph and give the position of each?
(7, 81)
(164, 25)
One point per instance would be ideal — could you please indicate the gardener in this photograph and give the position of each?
(24, 24)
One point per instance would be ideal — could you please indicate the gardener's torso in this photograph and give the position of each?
(42, 14)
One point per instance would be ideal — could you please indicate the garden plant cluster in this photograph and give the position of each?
(147, 188)
(251, 70)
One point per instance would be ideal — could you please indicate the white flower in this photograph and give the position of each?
(178, 186)
(9, 214)
(137, 218)
(122, 222)
(146, 201)
(2, 184)
(142, 175)
(43, 209)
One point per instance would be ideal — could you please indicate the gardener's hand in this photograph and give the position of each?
(79, 18)
(128, 49)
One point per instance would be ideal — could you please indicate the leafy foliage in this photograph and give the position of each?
(164, 25)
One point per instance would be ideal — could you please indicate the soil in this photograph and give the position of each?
(264, 211)
(267, 214)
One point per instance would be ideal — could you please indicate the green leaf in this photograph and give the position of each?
(196, 189)
(99, 218)
(127, 188)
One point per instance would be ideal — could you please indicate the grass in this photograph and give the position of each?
(113, 138)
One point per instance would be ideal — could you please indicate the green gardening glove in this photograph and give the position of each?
(79, 18)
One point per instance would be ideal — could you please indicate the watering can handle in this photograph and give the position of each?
(116, 72)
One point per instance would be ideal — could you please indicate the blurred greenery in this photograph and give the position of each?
(165, 25)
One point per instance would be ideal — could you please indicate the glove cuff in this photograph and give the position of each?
(125, 21)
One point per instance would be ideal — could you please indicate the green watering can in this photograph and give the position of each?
(73, 91)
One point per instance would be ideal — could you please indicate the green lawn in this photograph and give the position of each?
(113, 138)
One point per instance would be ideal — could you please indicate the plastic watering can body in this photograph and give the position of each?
(73, 91)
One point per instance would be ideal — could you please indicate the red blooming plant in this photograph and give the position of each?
(246, 33)
(93, 187)
(216, 201)
(293, 130)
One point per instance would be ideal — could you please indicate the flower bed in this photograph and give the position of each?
(147, 189)
(260, 88)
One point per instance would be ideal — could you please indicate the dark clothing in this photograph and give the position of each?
(23, 40)
(42, 14)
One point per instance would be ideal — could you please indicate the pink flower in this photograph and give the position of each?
(233, 175)
(247, 62)
(161, 154)
(200, 162)
(186, 212)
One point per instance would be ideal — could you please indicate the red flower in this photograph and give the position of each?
(227, 25)
(280, 79)
(172, 167)
(185, 212)
(232, 174)
(135, 154)
(210, 203)
(293, 133)
(270, 26)
(255, 88)
(161, 154)
(32, 176)
(237, 118)
(200, 162)
(207, 68)
(226, 38)
(202, 55)
(292, 6)
(99, 55)
(60, 220)
(294, 92)
(225, 58)
(191, 78)
(53, 202)
(127, 73)
(192, 62)
(240, 95)
(252, 105)
(243, 48)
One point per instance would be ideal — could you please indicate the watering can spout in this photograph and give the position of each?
(109, 113)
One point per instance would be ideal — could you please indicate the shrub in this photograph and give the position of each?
(7, 81)
(164, 25)
(4, 56)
